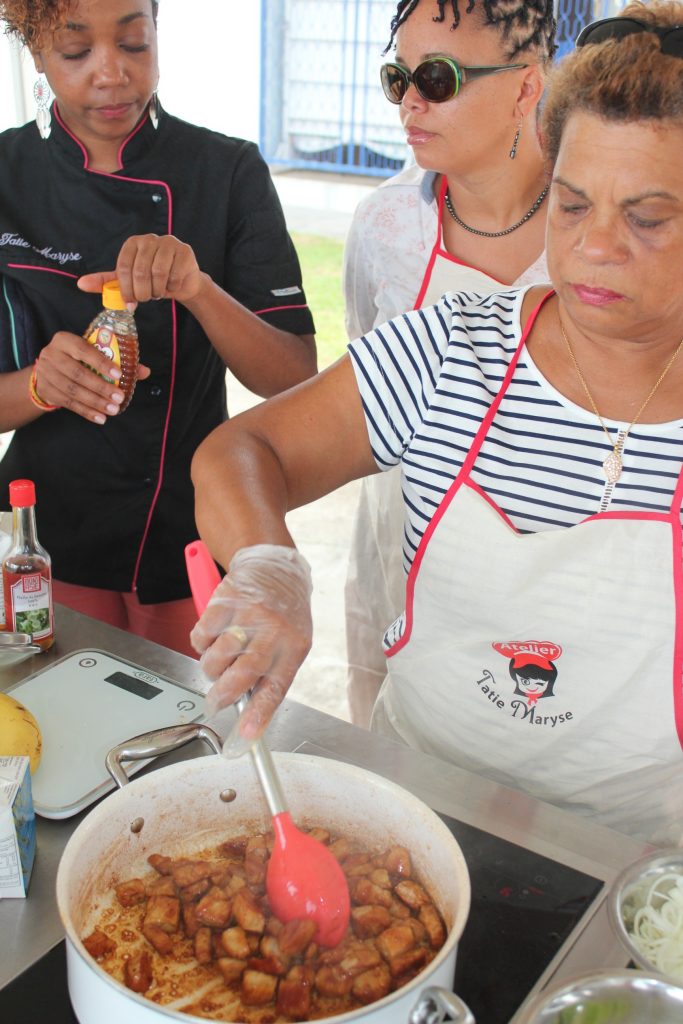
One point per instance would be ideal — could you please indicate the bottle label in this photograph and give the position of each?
(30, 603)
(106, 341)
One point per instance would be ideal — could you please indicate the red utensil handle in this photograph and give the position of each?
(202, 573)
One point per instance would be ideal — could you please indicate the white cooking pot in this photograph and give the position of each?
(171, 810)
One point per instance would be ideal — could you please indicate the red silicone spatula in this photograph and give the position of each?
(303, 878)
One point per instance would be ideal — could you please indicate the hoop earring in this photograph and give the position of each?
(42, 96)
(515, 141)
(154, 110)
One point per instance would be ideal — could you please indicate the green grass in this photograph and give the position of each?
(321, 266)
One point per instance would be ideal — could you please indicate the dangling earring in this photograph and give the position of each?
(513, 151)
(42, 96)
(154, 110)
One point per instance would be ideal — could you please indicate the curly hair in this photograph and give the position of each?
(524, 25)
(628, 79)
(32, 22)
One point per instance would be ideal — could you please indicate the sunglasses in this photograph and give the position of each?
(437, 79)
(671, 37)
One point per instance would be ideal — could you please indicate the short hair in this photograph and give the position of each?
(33, 21)
(524, 25)
(629, 79)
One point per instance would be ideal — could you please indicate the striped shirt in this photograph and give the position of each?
(427, 379)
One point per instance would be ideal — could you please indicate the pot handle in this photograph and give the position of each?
(435, 1004)
(157, 742)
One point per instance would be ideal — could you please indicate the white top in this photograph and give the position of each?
(426, 381)
(388, 248)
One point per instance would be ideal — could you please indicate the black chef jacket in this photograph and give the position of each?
(115, 503)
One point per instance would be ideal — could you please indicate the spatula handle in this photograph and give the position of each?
(204, 578)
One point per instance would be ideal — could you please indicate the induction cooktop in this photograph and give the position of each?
(524, 907)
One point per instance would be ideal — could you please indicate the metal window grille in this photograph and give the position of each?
(322, 106)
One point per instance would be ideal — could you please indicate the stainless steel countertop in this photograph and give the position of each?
(31, 927)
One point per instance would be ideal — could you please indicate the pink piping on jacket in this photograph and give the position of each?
(164, 441)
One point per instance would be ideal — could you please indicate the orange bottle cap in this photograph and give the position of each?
(22, 493)
(111, 296)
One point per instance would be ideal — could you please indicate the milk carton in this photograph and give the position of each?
(17, 826)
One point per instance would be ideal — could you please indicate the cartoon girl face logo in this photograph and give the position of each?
(103, 342)
(531, 667)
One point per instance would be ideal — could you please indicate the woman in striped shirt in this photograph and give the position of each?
(540, 437)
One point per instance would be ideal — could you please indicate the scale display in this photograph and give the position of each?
(85, 704)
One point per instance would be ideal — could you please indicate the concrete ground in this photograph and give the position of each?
(320, 204)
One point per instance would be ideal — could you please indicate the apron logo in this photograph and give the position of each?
(532, 667)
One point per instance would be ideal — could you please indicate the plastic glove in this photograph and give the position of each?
(255, 631)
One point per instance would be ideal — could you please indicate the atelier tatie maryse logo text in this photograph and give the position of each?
(533, 671)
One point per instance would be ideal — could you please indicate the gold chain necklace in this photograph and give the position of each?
(612, 466)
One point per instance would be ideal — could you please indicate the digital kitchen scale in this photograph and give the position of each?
(85, 704)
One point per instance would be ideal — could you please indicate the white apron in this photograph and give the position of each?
(549, 662)
(375, 587)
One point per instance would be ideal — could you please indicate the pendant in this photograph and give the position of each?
(612, 467)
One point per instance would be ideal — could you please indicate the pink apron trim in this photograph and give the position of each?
(460, 479)
(440, 250)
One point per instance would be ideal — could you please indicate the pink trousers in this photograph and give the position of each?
(168, 624)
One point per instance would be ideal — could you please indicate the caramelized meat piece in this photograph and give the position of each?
(230, 968)
(321, 834)
(398, 909)
(137, 972)
(418, 929)
(255, 861)
(214, 909)
(193, 892)
(99, 945)
(296, 935)
(341, 848)
(380, 877)
(360, 958)
(412, 894)
(395, 940)
(369, 921)
(203, 945)
(129, 894)
(409, 962)
(162, 886)
(270, 949)
(333, 981)
(247, 912)
(364, 892)
(235, 944)
(434, 926)
(187, 872)
(268, 965)
(257, 988)
(163, 912)
(234, 848)
(190, 922)
(161, 864)
(357, 864)
(157, 937)
(372, 985)
(294, 993)
(397, 862)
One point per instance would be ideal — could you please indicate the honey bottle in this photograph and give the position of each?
(27, 571)
(114, 333)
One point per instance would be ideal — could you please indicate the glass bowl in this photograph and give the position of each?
(654, 882)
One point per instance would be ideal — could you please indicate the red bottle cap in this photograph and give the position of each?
(22, 493)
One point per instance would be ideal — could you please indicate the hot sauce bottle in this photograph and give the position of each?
(27, 571)
(114, 333)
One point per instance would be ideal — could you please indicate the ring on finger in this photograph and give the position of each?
(240, 634)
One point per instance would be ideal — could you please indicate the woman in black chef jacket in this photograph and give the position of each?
(107, 184)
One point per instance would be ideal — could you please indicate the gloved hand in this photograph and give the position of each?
(255, 631)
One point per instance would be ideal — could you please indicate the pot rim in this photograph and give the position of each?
(283, 758)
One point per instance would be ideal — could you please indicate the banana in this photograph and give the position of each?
(19, 731)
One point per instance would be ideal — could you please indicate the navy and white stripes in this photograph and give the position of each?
(427, 379)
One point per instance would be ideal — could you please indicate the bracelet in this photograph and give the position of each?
(35, 397)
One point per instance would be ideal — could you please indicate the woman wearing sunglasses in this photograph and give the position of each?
(469, 214)
(539, 432)
(106, 184)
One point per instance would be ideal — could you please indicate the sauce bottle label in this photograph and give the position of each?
(30, 606)
(106, 341)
